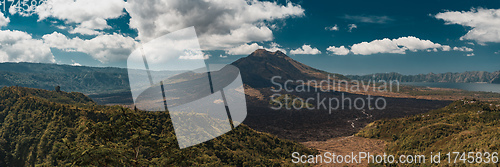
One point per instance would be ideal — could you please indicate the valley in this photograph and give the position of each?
(319, 129)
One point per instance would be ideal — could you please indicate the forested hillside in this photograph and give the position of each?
(463, 126)
(39, 127)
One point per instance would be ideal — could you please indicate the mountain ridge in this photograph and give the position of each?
(453, 77)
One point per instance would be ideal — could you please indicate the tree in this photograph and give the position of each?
(58, 88)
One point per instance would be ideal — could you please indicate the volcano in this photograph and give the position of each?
(258, 68)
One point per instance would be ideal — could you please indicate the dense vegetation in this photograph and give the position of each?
(39, 127)
(465, 77)
(463, 126)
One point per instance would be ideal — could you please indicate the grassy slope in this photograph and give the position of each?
(463, 126)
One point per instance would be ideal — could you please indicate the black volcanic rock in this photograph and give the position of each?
(258, 68)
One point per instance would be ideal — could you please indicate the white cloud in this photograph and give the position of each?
(194, 55)
(219, 24)
(89, 15)
(244, 34)
(247, 49)
(485, 23)
(414, 44)
(446, 48)
(18, 46)
(75, 63)
(105, 48)
(497, 52)
(62, 27)
(463, 49)
(84, 31)
(218, 101)
(369, 19)
(244, 49)
(90, 27)
(306, 50)
(334, 28)
(352, 26)
(275, 47)
(377, 46)
(470, 54)
(338, 50)
(223, 56)
(3, 20)
(400, 46)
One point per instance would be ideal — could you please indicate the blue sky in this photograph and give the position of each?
(347, 37)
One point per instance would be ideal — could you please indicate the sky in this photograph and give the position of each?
(347, 37)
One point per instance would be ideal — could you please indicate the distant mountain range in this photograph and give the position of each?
(257, 69)
(465, 77)
(70, 78)
(83, 79)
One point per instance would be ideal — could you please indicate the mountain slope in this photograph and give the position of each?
(70, 78)
(258, 68)
(465, 77)
(37, 128)
(463, 126)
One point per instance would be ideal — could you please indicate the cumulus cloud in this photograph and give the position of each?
(194, 55)
(463, 49)
(470, 54)
(219, 24)
(414, 44)
(369, 19)
(485, 23)
(104, 48)
(446, 48)
(247, 49)
(377, 46)
(75, 63)
(276, 47)
(352, 26)
(334, 28)
(306, 50)
(338, 50)
(89, 15)
(3, 20)
(400, 46)
(244, 49)
(18, 46)
(90, 27)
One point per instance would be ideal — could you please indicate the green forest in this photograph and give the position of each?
(55, 128)
(463, 126)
